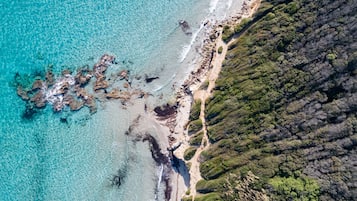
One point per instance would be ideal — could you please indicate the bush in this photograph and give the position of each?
(195, 126)
(331, 56)
(220, 49)
(296, 188)
(196, 140)
(209, 197)
(195, 110)
(204, 186)
(227, 33)
(187, 198)
(188, 192)
(242, 25)
(189, 153)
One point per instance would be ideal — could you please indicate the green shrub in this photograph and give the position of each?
(242, 25)
(331, 56)
(209, 197)
(195, 126)
(187, 198)
(204, 186)
(188, 192)
(292, 8)
(302, 188)
(189, 153)
(220, 49)
(227, 33)
(195, 110)
(196, 140)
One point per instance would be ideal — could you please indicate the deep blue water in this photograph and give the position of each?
(44, 159)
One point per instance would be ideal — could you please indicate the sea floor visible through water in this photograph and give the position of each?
(75, 155)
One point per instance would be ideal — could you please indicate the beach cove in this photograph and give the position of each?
(118, 151)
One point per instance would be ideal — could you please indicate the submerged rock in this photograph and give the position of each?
(100, 83)
(22, 93)
(124, 75)
(83, 76)
(71, 91)
(73, 103)
(38, 84)
(90, 103)
(100, 67)
(50, 78)
(116, 94)
(29, 112)
(39, 100)
(66, 72)
(185, 27)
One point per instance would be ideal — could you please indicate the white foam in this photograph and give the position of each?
(186, 48)
(160, 175)
(52, 95)
(213, 5)
(229, 4)
(164, 85)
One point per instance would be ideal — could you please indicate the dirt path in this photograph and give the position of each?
(204, 94)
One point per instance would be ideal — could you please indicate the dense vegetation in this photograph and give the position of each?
(284, 107)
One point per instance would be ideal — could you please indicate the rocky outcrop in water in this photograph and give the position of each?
(73, 90)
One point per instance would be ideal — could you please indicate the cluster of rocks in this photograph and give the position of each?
(72, 90)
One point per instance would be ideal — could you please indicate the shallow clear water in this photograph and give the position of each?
(44, 159)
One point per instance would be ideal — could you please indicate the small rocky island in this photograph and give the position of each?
(74, 90)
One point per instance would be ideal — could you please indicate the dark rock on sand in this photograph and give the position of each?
(155, 150)
(118, 179)
(150, 79)
(165, 110)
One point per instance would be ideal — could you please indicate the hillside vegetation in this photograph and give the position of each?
(282, 121)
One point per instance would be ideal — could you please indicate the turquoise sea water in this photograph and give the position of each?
(44, 159)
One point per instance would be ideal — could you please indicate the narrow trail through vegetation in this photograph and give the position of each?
(203, 94)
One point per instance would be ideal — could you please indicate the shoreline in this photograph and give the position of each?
(207, 69)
